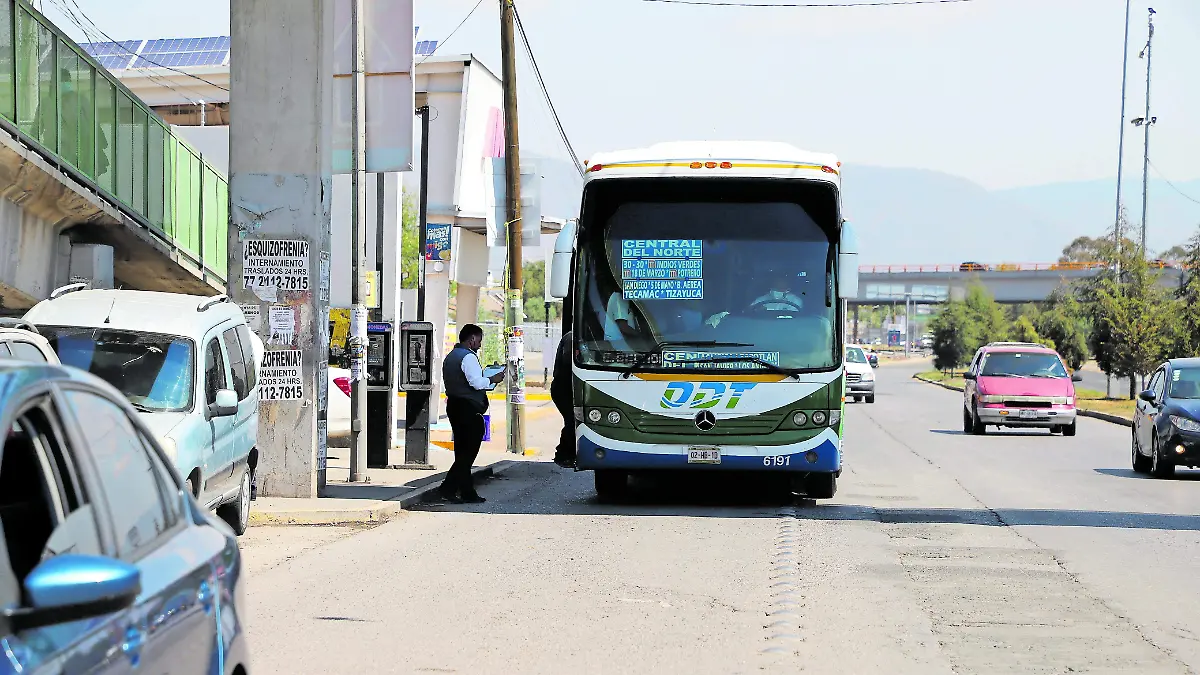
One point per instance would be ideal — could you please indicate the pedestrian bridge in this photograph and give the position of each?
(1010, 283)
(96, 186)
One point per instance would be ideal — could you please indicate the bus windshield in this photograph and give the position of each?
(700, 274)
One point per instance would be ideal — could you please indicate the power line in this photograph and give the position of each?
(1173, 186)
(447, 39)
(881, 3)
(144, 58)
(546, 92)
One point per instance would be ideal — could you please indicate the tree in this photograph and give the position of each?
(1188, 343)
(952, 336)
(1177, 252)
(533, 292)
(1140, 316)
(987, 321)
(410, 232)
(1023, 330)
(1086, 249)
(1064, 325)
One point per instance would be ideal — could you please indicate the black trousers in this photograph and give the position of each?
(467, 426)
(566, 439)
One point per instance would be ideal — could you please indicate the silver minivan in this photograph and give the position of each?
(187, 363)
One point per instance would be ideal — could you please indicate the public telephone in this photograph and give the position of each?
(379, 355)
(416, 356)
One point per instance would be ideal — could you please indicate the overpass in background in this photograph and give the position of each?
(96, 186)
(1009, 283)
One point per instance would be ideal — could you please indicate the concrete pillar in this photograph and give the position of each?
(466, 304)
(280, 190)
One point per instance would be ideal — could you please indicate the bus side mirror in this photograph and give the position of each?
(560, 264)
(848, 263)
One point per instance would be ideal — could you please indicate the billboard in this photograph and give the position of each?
(390, 101)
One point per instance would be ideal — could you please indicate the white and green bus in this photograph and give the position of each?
(703, 286)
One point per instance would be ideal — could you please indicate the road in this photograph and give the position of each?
(942, 553)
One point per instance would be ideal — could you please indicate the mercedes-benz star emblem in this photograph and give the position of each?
(705, 420)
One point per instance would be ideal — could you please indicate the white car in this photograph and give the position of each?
(21, 340)
(860, 376)
(338, 412)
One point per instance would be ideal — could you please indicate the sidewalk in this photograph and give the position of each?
(390, 491)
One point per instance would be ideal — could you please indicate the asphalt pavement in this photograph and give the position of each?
(942, 553)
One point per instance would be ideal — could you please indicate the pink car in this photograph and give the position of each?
(1017, 384)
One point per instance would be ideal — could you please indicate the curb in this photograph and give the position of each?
(425, 492)
(1113, 419)
(1104, 417)
(935, 383)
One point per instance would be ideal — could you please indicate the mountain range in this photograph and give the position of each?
(918, 216)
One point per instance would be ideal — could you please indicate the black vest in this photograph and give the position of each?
(456, 382)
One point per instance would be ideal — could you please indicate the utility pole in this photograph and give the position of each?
(1145, 122)
(512, 215)
(417, 403)
(358, 254)
(1121, 139)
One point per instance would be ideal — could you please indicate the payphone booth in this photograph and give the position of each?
(380, 386)
(416, 380)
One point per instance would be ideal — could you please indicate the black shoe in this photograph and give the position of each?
(449, 496)
(473, 499)
(565, 462)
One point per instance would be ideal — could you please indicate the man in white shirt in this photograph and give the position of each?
(619, 323)
(779, 299)
(466, 402)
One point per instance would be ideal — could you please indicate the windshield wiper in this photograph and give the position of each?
(747, 359)
(143, 408)
(643, 357)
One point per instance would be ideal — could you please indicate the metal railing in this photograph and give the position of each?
(58, 100)
(1001, 267)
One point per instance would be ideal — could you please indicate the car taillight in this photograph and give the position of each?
(343, 383)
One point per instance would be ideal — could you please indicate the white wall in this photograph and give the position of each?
(212, 142)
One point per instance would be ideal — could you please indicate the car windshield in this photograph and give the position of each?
(1023, 364)
(855, 355)
(1185, 383)
(153, 371)
(729, 274)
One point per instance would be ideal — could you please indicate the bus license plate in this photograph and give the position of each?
(704, 455)
(1028, 414)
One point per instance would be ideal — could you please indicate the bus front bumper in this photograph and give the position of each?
(821, 454)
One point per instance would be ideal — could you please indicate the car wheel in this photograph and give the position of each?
(611, 484)
(1160, 467)
(1069, 430)
(820, 485)
(978, 428)
(1141, 463)
(966, 421)
(871, 398)
(191, 487)
(237, 512)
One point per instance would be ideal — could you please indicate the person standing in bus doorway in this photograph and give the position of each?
(466, 402)
(561, 394)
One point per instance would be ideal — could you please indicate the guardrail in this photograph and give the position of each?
(56, 98)
(1002, 267)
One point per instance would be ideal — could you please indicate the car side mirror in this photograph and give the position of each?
(560, 262)
(968, 376)
(71, 587)
(1076, 377)
(226, 404)
(848, 263)
(1148, 396)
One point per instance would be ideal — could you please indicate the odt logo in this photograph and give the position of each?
(702, 395)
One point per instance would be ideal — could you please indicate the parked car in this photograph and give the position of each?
(860, 377)
(21, 340)
(972, 267)
(1017, 384)
(187, 363)
(338, 412)
(107, 565)
(1166, 428)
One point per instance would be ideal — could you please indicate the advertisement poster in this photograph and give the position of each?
(437, 242)
(662, 269)
(280, 377)
(270, 265)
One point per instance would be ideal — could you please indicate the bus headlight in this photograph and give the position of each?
(614, 417)
(835, 416)
(819, 417)
(594, 415)
(799, 419)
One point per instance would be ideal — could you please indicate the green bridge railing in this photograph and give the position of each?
(61, 101)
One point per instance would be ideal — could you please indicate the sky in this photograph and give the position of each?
(1006, 93)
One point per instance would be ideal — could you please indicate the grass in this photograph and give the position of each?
(1086, 399)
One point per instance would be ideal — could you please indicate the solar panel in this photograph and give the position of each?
(426, 47)
(110, 48)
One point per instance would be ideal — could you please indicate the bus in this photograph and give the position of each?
(704, 285)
